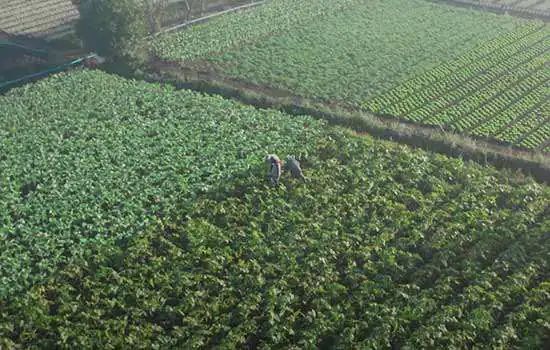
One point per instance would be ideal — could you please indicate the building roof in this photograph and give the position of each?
(48, 19)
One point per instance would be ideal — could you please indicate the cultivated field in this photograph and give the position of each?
(540, 8)
(501, 89)
(136, 215)
(489, 79)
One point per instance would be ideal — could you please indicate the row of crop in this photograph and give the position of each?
(527, 327)
(497, 96)
(466, 85)
(363, 255)
(313, 61)
(520, 78)
(463, 82)
(539, 131)
(518, 93)
(82, 161)
(532, 123)
(500, 113)
(514, 94)
(397, 258)
(402, 91)
(405, 306)
(434, 276)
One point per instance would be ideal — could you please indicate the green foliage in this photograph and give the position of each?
(334, 51)
(112, 27)
(91, 157)
(250, 26)
(488, 79)
(384, 247)
(499, 89)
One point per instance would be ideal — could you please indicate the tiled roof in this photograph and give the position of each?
(49, 19)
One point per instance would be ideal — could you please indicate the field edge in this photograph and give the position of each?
(451, 144)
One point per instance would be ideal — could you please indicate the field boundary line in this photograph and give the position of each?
(468, 147)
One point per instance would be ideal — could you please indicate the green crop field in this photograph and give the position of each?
(135, 215)
(541, 7)
(89, 157)
(463, 70)
(501, 90)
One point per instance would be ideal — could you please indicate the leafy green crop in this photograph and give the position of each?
(500, 94)
(249, 26)
(92, 157)
(384, 247)
(401, 59)
(351, 52)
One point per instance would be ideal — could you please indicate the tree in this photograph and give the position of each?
(112, 28)
(155, 11)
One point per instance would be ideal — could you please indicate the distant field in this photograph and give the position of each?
(406, 60)
(500, 90)
(381, 44)
(132, 214)
(541, 7)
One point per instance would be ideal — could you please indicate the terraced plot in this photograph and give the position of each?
(498, 90)
(342, 52)
(489, 79)
(134, 214)
(521, 7)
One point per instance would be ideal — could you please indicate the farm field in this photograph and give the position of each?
(538, 6)
(490, 79)
(81, 162)
(137, 215)
(500, 90)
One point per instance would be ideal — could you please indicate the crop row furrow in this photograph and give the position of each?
(402, 91)
(464, 108)
(425, 58)
(502, 112)
(462, 83)
(440, 277)
(469, 315)
(545, 84)
(413, 303)
(454, 95)
(530, 129)
(516, 92)
(538, 138)
(498, 102)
